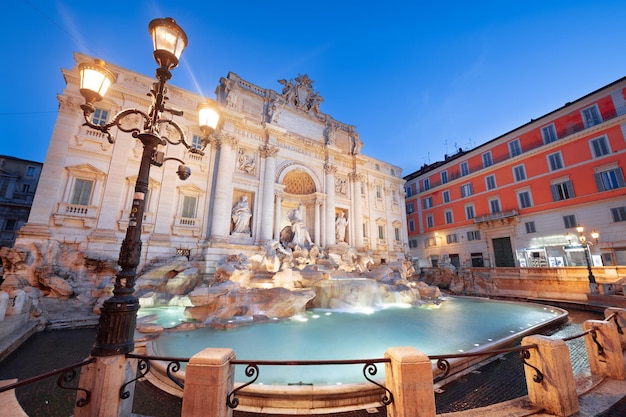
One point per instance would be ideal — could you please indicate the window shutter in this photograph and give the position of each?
(599, 182)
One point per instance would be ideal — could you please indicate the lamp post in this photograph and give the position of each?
(585, 243)
(118, 317)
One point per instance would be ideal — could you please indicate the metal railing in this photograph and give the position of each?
(66, 375)
(252, 371)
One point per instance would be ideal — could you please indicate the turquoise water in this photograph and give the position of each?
(455, 325)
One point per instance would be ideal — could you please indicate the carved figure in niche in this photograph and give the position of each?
(340, 227)
(296, 236)
(329, 133)
(355, 143)
(241, 215)
(341, 186)
(273, 111)
(246, 162)
(232, 93)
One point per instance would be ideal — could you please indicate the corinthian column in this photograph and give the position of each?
(357, 209)
(223, 193)
(268, 153)
(329, 225)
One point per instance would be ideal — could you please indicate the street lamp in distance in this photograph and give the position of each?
(586, 243)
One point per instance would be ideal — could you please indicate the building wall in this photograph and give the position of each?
(536, 211)
(277, 149)
(18, 183)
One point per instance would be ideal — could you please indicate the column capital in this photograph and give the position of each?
(330, 168)
(268, 151)
(226, 139)
(356, 177)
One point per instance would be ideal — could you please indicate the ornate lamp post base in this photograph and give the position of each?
(116, 328)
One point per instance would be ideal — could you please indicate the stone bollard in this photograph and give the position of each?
(409, 376)
(556, 392)
(605, 352)
(621, 322)
(209, 378)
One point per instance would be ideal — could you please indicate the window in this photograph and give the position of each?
(377, 166)
(30, 171)
(100, 117)
(25, 188)
(524, 199)
(599, 146)
(364, 229)
(490, 181)
(519, 172)
(411, 226)
(530, 227)
(591, 116)
(451, 238)
(409, 208)
(396, 231)
(609, 179)
(393, 172)
(569, 221)
(444, 177)
(412, 243)
(196, 142)
(446, 196)
(494, 206)
(189, 207)
(473, 235)
(9, 225)
(619, 214)
(426, 184)
(487, 160)
(430, 222)
(449, 217)
(431, 242)
(514, 148)
(81, 193)
(464, 169)
(381, 232)
(562, 190)
(428, 202)
(469, 212)
(555, 161)
(467, 190)
(379, 192)
(363, 189)
(408, 189)
(549, 134)
(394, 196)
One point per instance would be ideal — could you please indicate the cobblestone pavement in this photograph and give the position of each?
(500, 380)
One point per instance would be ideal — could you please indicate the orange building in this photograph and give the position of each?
(517, 199)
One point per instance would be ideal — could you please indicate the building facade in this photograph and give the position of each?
(274, 157)
(18, 183)
(516, 200)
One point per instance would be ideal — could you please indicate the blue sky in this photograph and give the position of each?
(418, 79)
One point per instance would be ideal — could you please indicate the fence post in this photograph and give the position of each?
(209, 378)
(104, 378)
(604, 349)
(409, 376)
(556, 392)
(621, 321)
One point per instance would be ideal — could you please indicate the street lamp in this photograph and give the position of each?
(119, 313)
(582, 239)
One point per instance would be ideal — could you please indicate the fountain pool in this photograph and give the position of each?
(457, 324)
